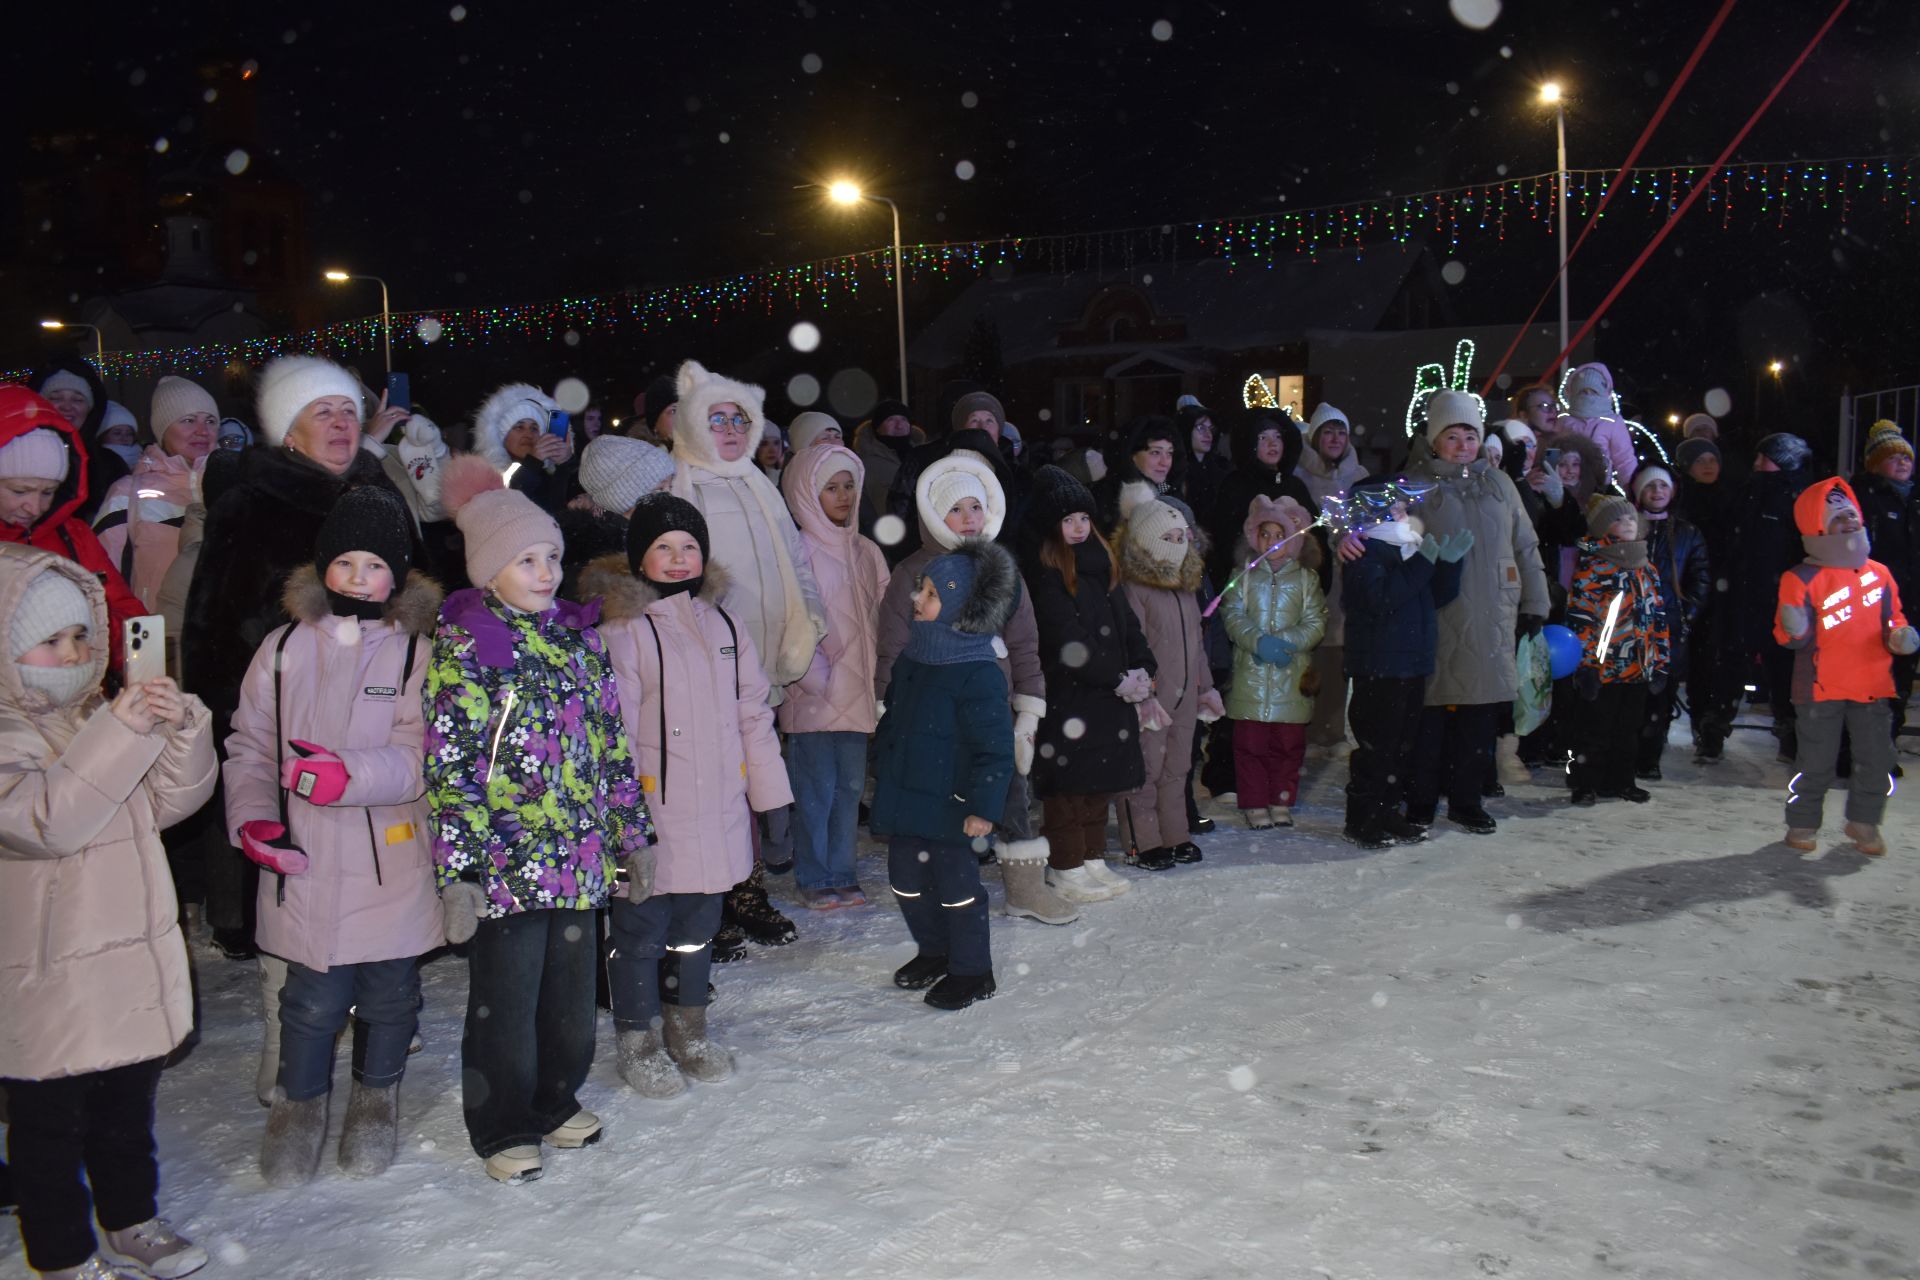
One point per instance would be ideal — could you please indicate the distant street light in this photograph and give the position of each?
(1551, 95)
(849, 193)
(386, 315)
(99, 347)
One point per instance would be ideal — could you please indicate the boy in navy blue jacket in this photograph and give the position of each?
(944, 760)
(1392, 592)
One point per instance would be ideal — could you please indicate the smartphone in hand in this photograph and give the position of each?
(143, 641)
(400, 392)
(558, 424)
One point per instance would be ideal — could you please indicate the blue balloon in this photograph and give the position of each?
(1564, 648)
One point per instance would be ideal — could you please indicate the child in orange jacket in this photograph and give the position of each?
(1840, 613)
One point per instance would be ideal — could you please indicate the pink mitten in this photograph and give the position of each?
(1211, 706)
(1153, 717)
(267, 844)
(316, 775)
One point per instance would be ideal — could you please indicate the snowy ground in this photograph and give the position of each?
(1641, 1041)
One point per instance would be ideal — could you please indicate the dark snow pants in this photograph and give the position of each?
(675, 927)
(1450, 754)
(1820, 724)
(99, 1123)
(937, 884)
(529, 1036)
(1606, 738)
(1385, 716)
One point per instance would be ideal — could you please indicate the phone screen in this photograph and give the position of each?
(558, 423)
(399, 391)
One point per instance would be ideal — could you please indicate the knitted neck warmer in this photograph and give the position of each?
(1625, 555)
(1837, 550)
(349, 607)
(936, 644)
(65, 685)
(666, 589)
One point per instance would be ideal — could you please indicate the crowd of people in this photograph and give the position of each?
(564, 699)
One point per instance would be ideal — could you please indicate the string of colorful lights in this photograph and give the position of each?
(1760, 195)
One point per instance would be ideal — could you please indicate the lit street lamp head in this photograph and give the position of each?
(338, 277)
(1775, 368)
(844, 192)
(53, 324)
(1550, 92)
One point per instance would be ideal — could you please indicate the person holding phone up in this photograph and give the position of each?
(523, 432)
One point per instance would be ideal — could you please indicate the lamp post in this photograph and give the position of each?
(1551, 95)
(848, 193)
(99, 346)
(386, 315)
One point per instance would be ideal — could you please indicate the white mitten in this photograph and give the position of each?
(1794, 620)
(1212, 707)
(1903, 640)
(425, 455)
(1025, 726)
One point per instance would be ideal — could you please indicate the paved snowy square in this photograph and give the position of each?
(1641, 1041)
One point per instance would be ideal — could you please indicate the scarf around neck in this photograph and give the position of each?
(1397, 533)
(935, 644)
(1623, 555)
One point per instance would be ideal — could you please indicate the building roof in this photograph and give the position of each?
(1223, 307)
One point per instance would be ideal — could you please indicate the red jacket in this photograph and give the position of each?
(1843, 657)
(59, 530)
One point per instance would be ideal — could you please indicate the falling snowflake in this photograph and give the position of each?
(811, 64)
(1162, 31)
(963, 170)
(1477, 14)
(804, 336)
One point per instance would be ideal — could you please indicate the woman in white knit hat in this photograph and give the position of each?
(139, 523)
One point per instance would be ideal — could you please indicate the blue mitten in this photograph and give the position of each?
(1274, 651)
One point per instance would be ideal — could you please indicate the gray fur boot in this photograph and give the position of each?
(290, 1156)
(372, 1132)
(688, 1046)
(1023, 869)
(273, 976)
(645, 1066)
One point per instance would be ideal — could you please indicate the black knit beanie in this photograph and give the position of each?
(661, 392)
(660, 513)
(1056, 495)
(368, 518)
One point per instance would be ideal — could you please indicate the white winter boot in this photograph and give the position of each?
(1506, 757)
(1078, 885)
(1023, 869)
(1106, 875)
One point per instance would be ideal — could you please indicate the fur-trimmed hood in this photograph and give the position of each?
(996, 588)
(624, 594)
(1246, 427)
(933, 524)
(700, 389)
(1593, 463)
(1137, 566)
(499, 411)
(415, 608)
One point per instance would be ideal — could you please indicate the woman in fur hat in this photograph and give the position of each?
(719, 425)
(510, 431)
(694, 701)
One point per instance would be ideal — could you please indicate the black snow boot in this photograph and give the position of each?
(957, 991)
(1153, 859)
(1402, 830)
(746, 906)
(729, 944)
(1186, 852)
(920, 972)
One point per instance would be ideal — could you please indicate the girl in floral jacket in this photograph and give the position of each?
(535, 805)
(1614, 608)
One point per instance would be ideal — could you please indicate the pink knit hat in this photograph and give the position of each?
(37, 455)
(498, 523)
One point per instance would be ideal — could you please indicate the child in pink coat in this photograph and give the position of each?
(693, 696)
(324, 788)
(829, 713)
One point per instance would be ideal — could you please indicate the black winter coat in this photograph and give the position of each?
(1101, 756)
(588, 537)
(1393, 605)
(104, 466)
(1893, 525)
(259, 531)
(1678, 551)
(1763, 543)
(1249, 480)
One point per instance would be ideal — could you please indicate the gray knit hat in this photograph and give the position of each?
(618, 471)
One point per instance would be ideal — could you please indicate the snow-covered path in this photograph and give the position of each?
(1639, 1041)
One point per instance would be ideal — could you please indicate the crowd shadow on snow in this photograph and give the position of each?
(1639, 894)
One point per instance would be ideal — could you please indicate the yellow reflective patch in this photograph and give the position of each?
(648, 783)
(400, 833)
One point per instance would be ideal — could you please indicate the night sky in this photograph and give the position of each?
(504, 152)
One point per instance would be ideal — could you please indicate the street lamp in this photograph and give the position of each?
(99, 346)
(1551, 95)
(386, 315)
(849, 193)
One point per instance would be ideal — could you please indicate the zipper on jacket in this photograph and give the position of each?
(374, 843)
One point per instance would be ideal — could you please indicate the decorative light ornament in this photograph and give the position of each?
(1256, 394)
(1429, 378)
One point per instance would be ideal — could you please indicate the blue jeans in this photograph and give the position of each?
(937, 884)
(827, 772)
(678, 927)
(383, 995)
(528, 1041)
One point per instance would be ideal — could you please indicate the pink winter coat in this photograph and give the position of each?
(836, 693)
(93, 970)
(139, 522)
(1590, 394)
(368, 893)
(681, 663)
